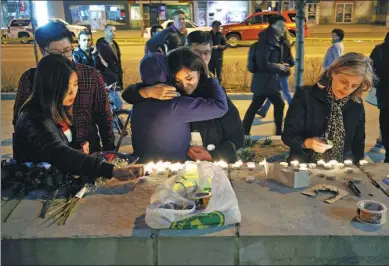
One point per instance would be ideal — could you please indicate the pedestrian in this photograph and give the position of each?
(112, 72)
(161, 129)
(86, 53)
(287, 57)
(336, 50)
(155, 29)
(42, 130)
(219, 45)
(327, 120)
(225, 133)
(265, 82)
(92, 118)
(172, 41)
(178, 26)
(380, 58)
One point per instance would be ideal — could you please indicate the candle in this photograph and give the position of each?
(284, 164)
(348, 162)
(303, 165)
(174, 168)
(222, 164)
(250, 165)
(237, 165)
(340, 165)
(349, 170)
(328, 166)
(363, 162)
(312, 165)
(149, 168)
(303, 168)
(333, 162)
(160, 170)
(321, 163)
(294, 163)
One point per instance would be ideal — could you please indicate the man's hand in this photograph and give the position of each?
(199, 153)
(159, 92)
(316, 145)
(284, 67)
(124, 174)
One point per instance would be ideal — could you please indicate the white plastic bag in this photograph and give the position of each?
(222, 208)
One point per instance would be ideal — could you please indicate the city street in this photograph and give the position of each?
(16, 58)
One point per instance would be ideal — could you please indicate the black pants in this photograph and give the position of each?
(257, 102)
(215, 67)
(384, 125)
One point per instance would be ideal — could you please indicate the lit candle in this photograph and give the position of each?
(348, 162)
(363, 162)
(328, 166)
(340, 165)
(174, 168)
(284, 164)
(303, 168)
(312, 165)
(333, 162)
(250, 165)
(303, 165)
(294, 163)
(222, 164)
(237, 165)
(149, 168)
(160, 170)
(321, 163)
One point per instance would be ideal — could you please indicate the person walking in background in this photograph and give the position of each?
(86, 53)
(178, 26)
(266, 67)
(336, 50)
(380, 58)
(155, 29)
(287, 57)
(110, 53)
(219, 45)
(172, 41)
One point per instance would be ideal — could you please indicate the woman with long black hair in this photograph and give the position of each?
(43, 131)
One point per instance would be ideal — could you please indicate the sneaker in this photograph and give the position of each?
(379, 144)
(261, 113)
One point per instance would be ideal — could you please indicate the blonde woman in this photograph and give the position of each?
(327, 120)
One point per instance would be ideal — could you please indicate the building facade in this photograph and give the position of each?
(132, 14)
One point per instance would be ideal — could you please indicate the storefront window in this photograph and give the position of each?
(98, 15)
(172, 8)
(136, 16)
(227, 11)
(14, 9)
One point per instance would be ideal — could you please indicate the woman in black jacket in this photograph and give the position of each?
(43, 129)
(331, 110)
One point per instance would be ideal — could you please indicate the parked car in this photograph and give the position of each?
(22, 29)
(249, 28)
(190, 26)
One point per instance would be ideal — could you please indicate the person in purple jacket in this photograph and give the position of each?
(161, 129)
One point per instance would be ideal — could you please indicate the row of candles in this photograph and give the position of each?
(161, 167)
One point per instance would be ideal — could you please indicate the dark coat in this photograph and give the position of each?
(269, 54)
(39, 139)
(89, 59)
(226, 133)
(380, 57)
(308, 116)
(113, 72)
(159, 39)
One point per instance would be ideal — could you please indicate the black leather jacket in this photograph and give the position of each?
(39, 139)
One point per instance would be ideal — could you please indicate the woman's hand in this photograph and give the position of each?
(316, 145)
(124, 174)
(159, 91)
(199, 153)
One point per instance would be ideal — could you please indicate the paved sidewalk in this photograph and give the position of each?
(261, 127)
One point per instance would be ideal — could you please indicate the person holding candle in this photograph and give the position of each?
(331, 110)
(44, 131)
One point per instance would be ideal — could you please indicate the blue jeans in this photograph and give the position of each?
(115, 97)
(285, 91)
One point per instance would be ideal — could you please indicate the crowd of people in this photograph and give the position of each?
(180, 110)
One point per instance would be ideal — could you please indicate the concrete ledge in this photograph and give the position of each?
(314, 250)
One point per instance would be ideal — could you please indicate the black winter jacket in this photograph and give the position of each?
(89, 59)
(159, 39)
(380, 58)
(39, 139)
(269, 54)
(113, 72)
(308, 116)
(226, 133)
